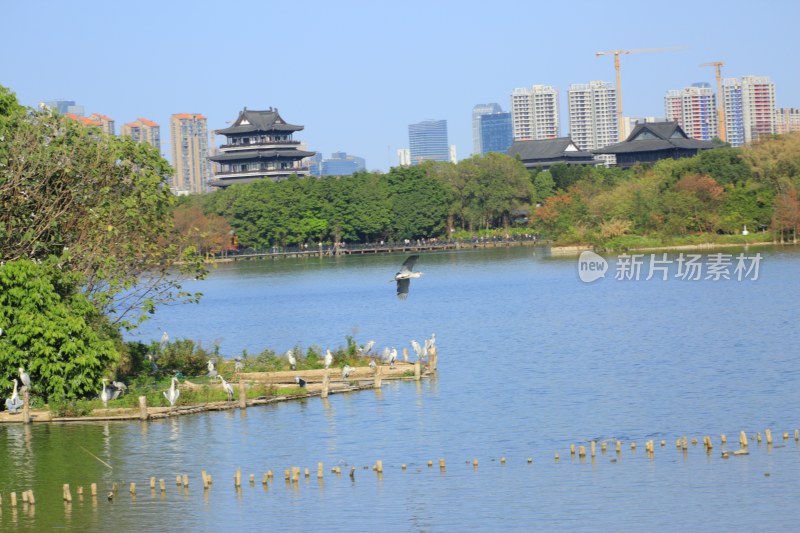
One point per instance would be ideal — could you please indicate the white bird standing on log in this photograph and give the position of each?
(238, 366)
(227, 387)
(172, 394)
(105, 394)
(328, 359)
(212, 372)
(403, 278)
(14, 404)
(421, 352)
(392, 357)
(24, 379)
(346, 371)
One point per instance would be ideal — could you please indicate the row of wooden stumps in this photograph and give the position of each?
(292, 475)
(682, 443)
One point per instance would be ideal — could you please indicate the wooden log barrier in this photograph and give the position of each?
(242, 395)
(143, 408)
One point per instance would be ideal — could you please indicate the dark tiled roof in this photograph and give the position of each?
(547, 149)
(255, 155)
(655, 137)
(259, 121)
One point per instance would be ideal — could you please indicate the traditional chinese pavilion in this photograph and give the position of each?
(258, 145)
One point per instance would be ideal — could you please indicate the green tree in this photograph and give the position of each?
(418, 203)
(52, 330)
(101, 204)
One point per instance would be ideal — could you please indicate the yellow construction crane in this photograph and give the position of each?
(720, 106)
(616, 54)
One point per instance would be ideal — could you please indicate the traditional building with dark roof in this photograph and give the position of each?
(545, 153)
(258, 145)
(652, 141)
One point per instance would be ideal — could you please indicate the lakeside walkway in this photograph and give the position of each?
(339, 249)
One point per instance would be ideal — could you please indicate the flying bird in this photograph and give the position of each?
(403, 278)
(172, 394)
(14, 404)
(300, 382)
(227, 387)
(328, 359)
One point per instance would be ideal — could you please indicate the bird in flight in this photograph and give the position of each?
(403, 277)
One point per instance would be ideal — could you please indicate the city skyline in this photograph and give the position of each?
(424, 60)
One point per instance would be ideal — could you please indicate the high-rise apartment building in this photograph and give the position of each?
(534, 113)
(496, 132)
(427, 141)
(593, 121)
(63, 107)
(143, 131)
(787, 120)
(694, 109)
(189, 135)
(106, 123)
(477, 112)
(749, 105)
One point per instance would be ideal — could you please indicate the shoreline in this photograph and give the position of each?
(365, 378)
(578, 249)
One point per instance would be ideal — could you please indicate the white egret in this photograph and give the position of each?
(118, 389)
(227, 387)
(238, 366)
(346, 371)
(14, 404)
(292, 360)
(212, 371)
(419, 350)
(172, 394)
(164, 339)
(105, 394)
(430, 343)
(328, 359)
(372, 364)
(367, 347)
(392, 357)
(300, 382)
(24, 379)
(403, 277)
(153, 365)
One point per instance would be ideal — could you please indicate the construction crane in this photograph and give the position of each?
(720, 106)
(616, 54)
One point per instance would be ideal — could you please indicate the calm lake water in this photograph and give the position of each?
(531, 360)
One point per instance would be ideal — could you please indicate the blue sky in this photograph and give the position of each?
(357, 73)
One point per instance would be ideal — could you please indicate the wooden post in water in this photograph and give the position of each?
(405, 355)
(593, 448)
(326, 384)
(572, 449)
(242, 395)
(319, 470)
(768, 433)
(723, 439)
(743, 439)
(161, 485)
(186, 480)
(31, 500)
(433, 359)
(94, 490)
(203, 475)
(441, 464)
(581, 451)
(13, 496)
(26, 407)
(417, 371)
(133, 489)
(379, 466)
(237, 478)
(67, 494)
(378, 379)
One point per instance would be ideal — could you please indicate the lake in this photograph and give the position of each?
(531, 360)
